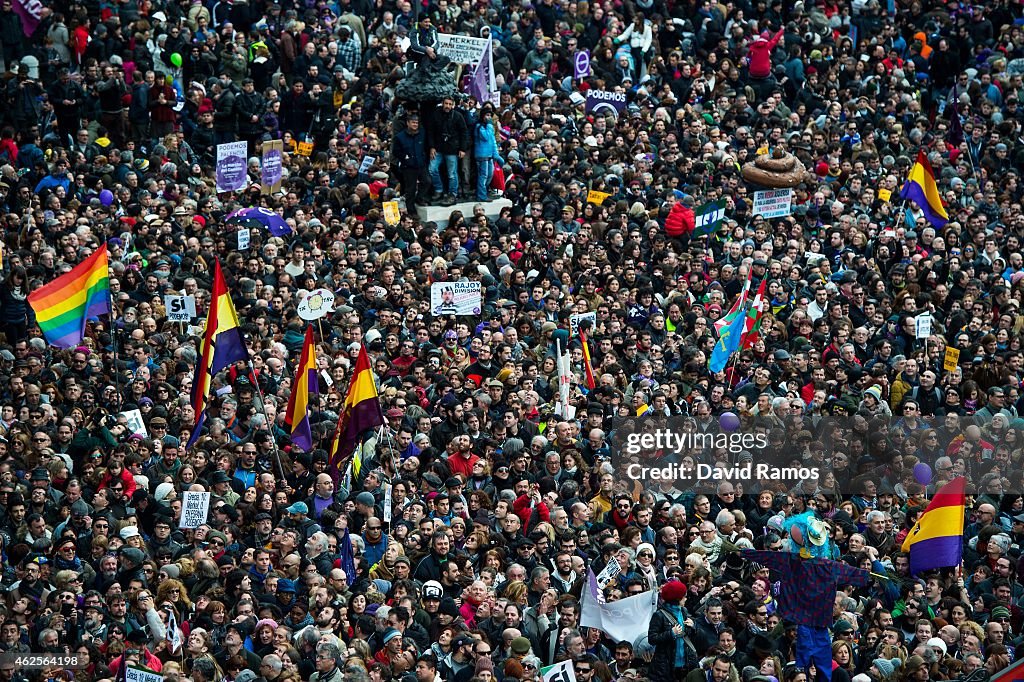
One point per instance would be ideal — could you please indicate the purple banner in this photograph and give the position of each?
(605, 101)
(30, 12)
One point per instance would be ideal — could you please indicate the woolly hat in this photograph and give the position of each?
(875, 392)
(673, 592)
(887, 666)
(483, 663)
(938, 642)
(999, 612)
(162, 491)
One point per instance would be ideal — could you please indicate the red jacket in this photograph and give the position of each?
(759, 56)
(523, 509)
(680, 221)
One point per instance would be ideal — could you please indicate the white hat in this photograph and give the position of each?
(937, 642)
(162, 491)
(129, 532)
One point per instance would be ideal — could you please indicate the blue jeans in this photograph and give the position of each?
(451, 167)
(484, 173)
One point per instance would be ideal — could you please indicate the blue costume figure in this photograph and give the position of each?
(808, 577)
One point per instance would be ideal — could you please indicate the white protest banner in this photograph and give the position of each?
(135, 423)
(231, 166)
(773, 203)
(559, 672)
(244, 236)
(576, 318)
(455, 298)
(624, 620)
(133, 674)
(195, 507)
(180, 308)
(923, 326)
(461, 49)
(387, 503)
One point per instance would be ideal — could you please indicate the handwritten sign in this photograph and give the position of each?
(884, 194)
(244, 235)
(461, 49)
(951, 360)
(195, 508)
(132, 674)
(305, 149)
(923, 326)
(597, 198)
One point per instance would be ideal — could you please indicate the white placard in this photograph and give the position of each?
(461, 49)
(327, 379)
(387, 503)
(132, 674)
(773, 203)
(576, 318)
(135, 423)
(455, 298)
(923, 326)
(244, 235)
(195, 508)
(316, 304)
(180, 308)
(368, 161)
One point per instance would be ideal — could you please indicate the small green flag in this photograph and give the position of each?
(708, 218)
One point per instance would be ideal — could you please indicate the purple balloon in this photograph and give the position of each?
(106, 197)
(922, 473)
(729, 422)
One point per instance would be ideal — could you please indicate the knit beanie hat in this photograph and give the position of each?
(886, 666)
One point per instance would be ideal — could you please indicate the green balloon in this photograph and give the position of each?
(176, 59)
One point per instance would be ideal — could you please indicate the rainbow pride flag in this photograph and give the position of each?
(936, 540)
(63, 305)
(920, 188)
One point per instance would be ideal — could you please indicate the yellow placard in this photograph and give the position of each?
(391, 212)
(305, 149)
(884, 194)
(597, 198)
(951, 359)
(763, 151)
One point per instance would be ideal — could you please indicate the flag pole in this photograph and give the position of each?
(270, 427)
(113, 338)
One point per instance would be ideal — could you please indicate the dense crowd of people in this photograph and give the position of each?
(454, 544)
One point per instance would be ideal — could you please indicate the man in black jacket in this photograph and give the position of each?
(447, 138)
(410, 153)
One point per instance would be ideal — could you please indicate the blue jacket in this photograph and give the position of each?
(485, 143)
(53, 182)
